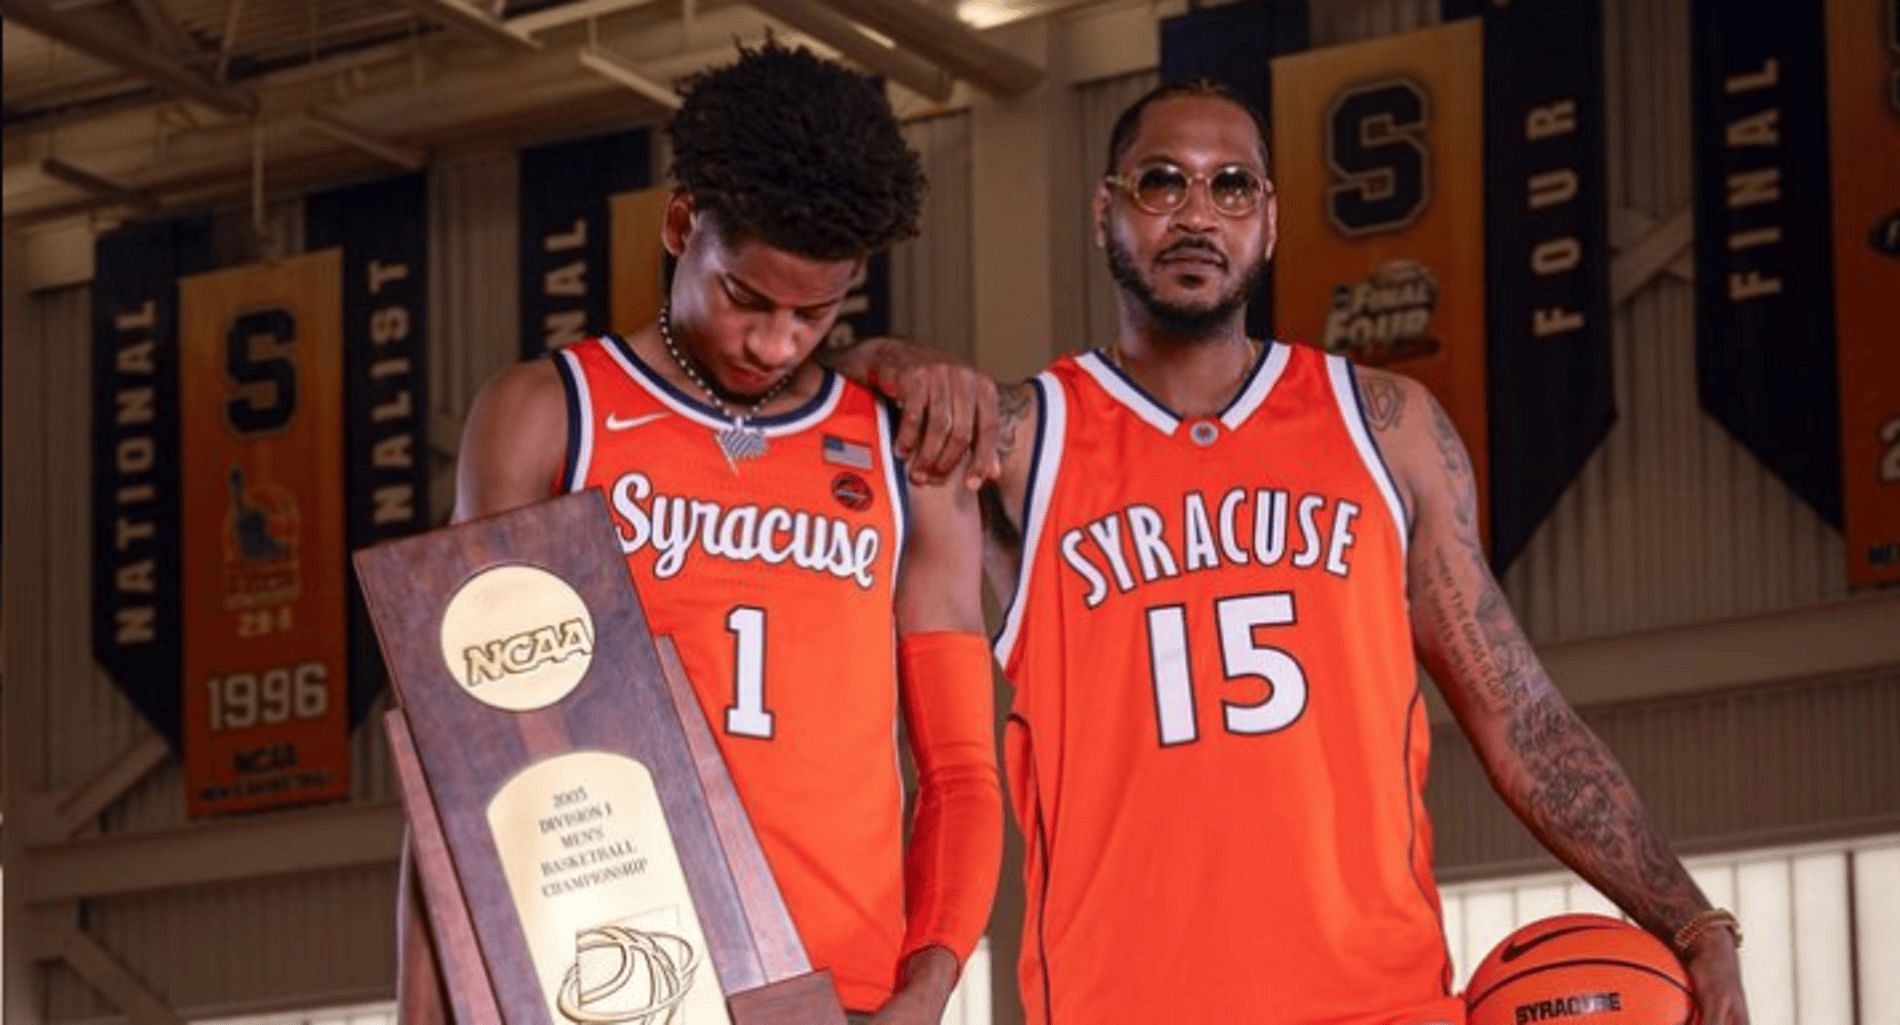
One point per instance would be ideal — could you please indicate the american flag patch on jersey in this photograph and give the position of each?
(840, 452)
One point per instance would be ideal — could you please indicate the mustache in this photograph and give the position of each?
(1196, 246)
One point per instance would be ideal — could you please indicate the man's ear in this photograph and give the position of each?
(680, 222)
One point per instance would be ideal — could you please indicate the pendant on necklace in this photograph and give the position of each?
(741, 441)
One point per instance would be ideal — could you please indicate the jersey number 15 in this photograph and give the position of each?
(1242, 658)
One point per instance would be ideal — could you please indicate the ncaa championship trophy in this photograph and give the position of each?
(583, 854)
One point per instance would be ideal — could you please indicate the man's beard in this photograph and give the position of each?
(1173, 319)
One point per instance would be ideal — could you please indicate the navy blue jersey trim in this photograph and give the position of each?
(892, 417)
(1259, 361)
(1411, 834)
(1253, 374)
(653, 377)
(570, 388)
(1359, 404)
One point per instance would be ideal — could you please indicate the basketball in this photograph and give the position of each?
(1579, 966)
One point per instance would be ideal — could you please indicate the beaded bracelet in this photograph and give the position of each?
(1702, 922)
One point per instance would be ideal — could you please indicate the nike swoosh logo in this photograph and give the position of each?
(615, 423)
(1513, 951)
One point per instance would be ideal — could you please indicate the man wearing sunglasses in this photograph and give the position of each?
(1222, 557)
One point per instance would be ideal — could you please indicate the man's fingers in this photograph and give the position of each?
(911, 427)
(982, 451)
(939, 432)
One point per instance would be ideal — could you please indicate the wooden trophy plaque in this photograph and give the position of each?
(583, 854)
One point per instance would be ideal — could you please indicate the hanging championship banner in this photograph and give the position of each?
(1551, 398)
(1230, 44)
(1381, 181)
(382, 229)
(262, 538)
(640, 274)
(1764, 274)
(565, 232)
(135, 465)
(1863, 94)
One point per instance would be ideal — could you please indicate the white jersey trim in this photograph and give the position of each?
(1272, 365)
(1051, 426)
(895, 483)
(1124, 391)
(831, 392)
(1346, 394)
(583, 419)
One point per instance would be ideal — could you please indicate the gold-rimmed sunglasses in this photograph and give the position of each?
(1162, 187)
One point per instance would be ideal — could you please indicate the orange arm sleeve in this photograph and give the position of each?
(956, 836)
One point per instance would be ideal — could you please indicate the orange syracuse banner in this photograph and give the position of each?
(1378, 153)
(1863, 96)
(262, 548)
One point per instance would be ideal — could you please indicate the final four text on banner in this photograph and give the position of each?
(1765, 363)
(382, 229)
(1863, 93)
(565, 232)
(1231, 45)
(135, 465)
(1550, 397)
(266, 652)
(1379, 149)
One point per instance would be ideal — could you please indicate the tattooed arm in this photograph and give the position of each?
(1017, 413)
(1552, 771)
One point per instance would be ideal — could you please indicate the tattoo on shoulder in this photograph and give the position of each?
(1458, 471)
(1013, 404)
(1385, 402)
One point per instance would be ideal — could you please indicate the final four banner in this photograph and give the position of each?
(1863, 92)
(1765, 360)
(1551, 399)
(1798, 253)
(136, 620)
(382, 230)
(265, 644)
(565, 234)
(1229, 44)
(1381, 176)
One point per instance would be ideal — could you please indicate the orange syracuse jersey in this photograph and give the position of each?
(774, 576)
(1217, 748)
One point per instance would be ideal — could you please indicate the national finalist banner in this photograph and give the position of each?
(1863, 93)
(1551, 397)
(265, 653)
(1381, 177)
(566, 230)
(136, 618)
(381, 229)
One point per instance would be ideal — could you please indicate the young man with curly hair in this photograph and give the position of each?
(770, 530)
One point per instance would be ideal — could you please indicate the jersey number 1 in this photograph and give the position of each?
(747, 717)
(1241, 657)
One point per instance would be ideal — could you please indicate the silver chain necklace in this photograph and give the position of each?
(739, 440)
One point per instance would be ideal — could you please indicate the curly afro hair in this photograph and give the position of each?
(795, 151)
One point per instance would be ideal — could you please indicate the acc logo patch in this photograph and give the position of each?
(851, 491)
